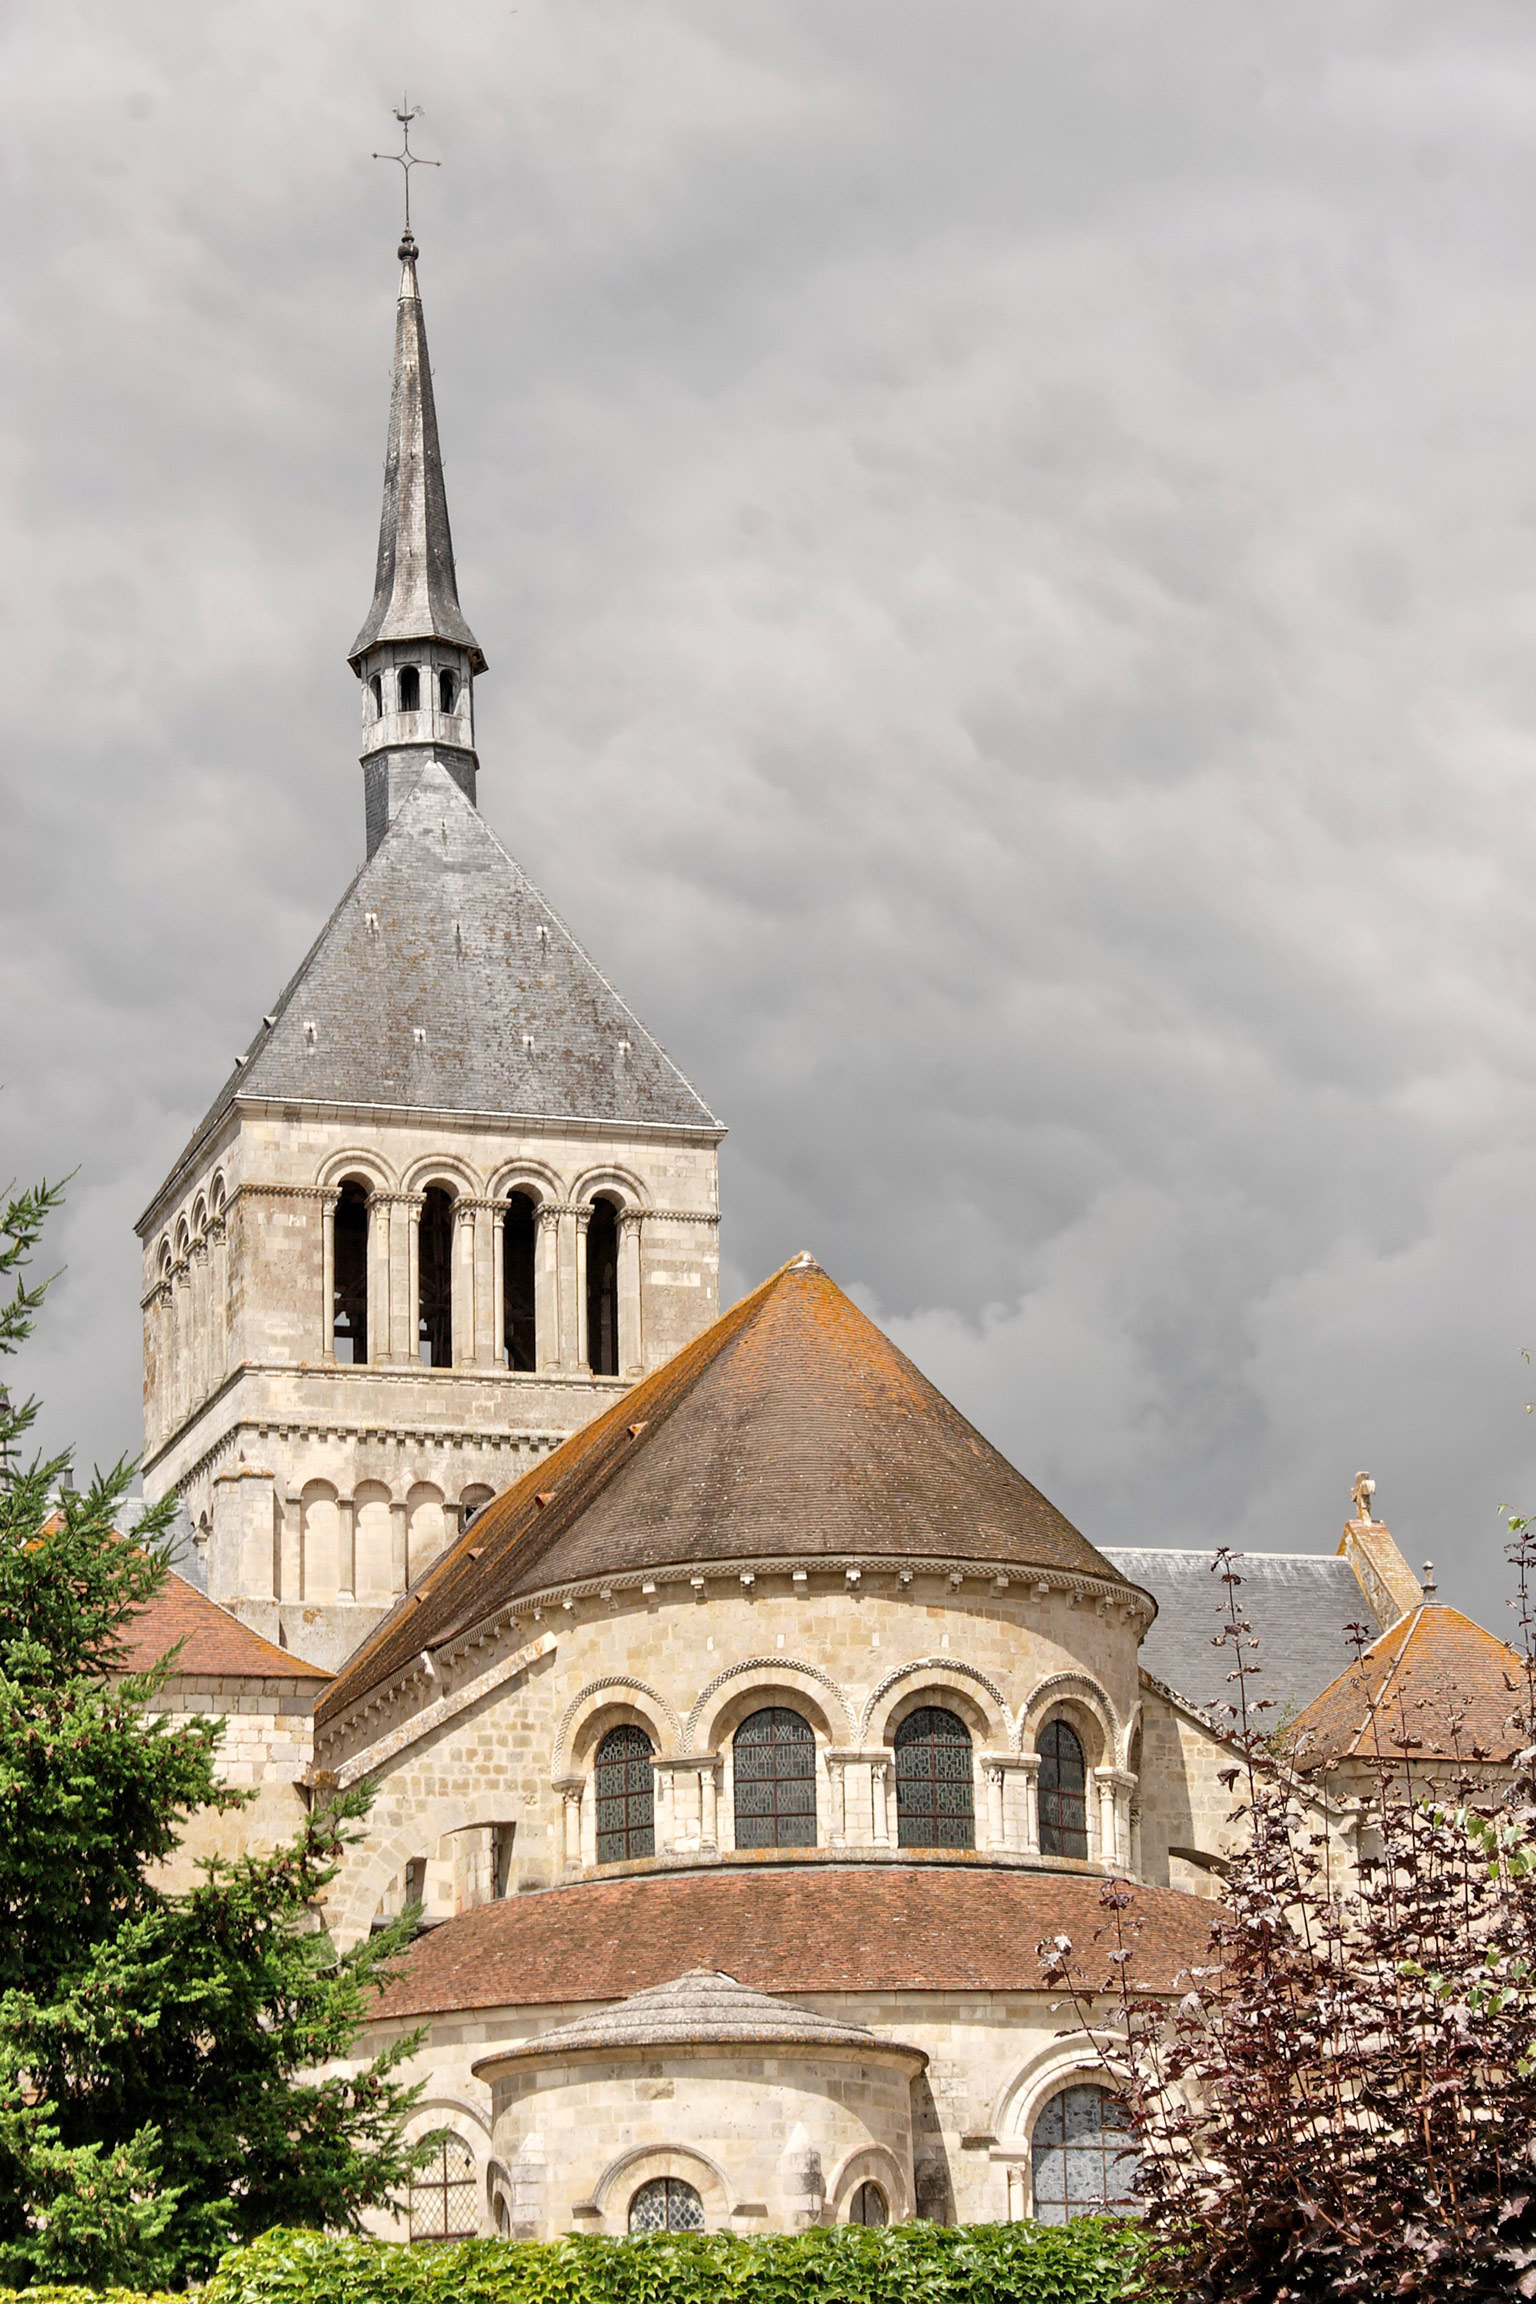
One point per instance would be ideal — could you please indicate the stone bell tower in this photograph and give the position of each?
(453, 1198)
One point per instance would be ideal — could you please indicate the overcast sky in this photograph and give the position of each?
(1006, 541)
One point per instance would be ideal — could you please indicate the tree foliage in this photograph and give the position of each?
(157, 2101)
(1343, 2104)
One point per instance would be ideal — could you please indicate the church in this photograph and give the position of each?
(740, 1721)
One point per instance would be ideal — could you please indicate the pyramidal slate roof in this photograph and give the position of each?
(704, 2007)
(444, 981)
(791, 1430)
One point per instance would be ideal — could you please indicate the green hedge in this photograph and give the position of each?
(1088, 2262)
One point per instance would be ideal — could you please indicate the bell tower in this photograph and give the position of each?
(453, 1198)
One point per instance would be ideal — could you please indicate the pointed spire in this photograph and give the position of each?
(416, 594)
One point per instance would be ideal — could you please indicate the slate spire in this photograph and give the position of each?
(416, 594)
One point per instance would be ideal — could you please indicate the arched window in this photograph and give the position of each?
(319, 1542)
(603, 1289)
(376, 696)
(935, 1802)
(349, 1306)
(666, 2204)
(774, 1763)
(443, 2205)
(519, 1235)
(373, 1541)
(447, 691)
(868, 2206)
(434, 1316)
(426, 1529)
(410, 688)
(1063, 1792)
(624, 1788)
(1083, 2157)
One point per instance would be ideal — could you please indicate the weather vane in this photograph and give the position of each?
(406, 159)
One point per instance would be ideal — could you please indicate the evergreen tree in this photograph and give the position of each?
(158, 2097)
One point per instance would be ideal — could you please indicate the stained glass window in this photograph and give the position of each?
(1063, 1792)
(774, 1760)
(1083, 2158)
(624, 1784)
(443, 2194)
(666, 2204)
(935, 1802)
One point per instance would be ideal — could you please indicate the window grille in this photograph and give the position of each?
(935, 1796)
(774, 1761)
(625, 1790)
(666, 2204)
(1063, 1792)
(1083, 2161)
(443, 2194)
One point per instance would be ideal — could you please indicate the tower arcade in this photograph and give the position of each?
(453, 1198)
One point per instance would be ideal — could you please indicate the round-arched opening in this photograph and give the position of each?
(410, 688)
(624, 1790)
(935, 1797)
(443, 2194)
(666, 2204)
(1083, 2156)
(349, 1303)
(869, 2206)
(1063, 1791)
(773, 1763)
(519, 1236)
(603, 1289)
(434, 1311)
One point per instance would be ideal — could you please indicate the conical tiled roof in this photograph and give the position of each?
(416, 592)
(444, 981)
(703, 2008)
(1434, 1687)
(792, 1430)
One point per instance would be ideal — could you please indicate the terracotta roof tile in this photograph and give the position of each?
(814, 1927)
(792, 1428)
(1429, 1667)
(217, 1646)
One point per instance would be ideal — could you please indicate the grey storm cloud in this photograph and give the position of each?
(1006, 540)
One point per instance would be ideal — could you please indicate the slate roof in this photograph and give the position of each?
(703, 2008)
(1433, 1665)
(1298, 1603)
(442, 934)
(215, 1645)
(416, 593)
(786, 1928)
(791, 1429)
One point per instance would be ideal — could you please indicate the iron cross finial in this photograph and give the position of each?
(405, 159)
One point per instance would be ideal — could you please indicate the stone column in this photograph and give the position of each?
(709, 1809)
(1029, 1762)
(546, 1288)
(631, 1325)
(581, 1218)
(198, 1282)
(381, 1343)
(1114, 1787)
(328, 1202)
(346, 1548)
(995, 1776)
(572, 1336)
(463, 1343)
(570, 1790)
(413, 1207)
(498, 1336)
(879, 1770)
(487, 1335)
(837, 1798)
(399, 1562)
(218, 1282)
